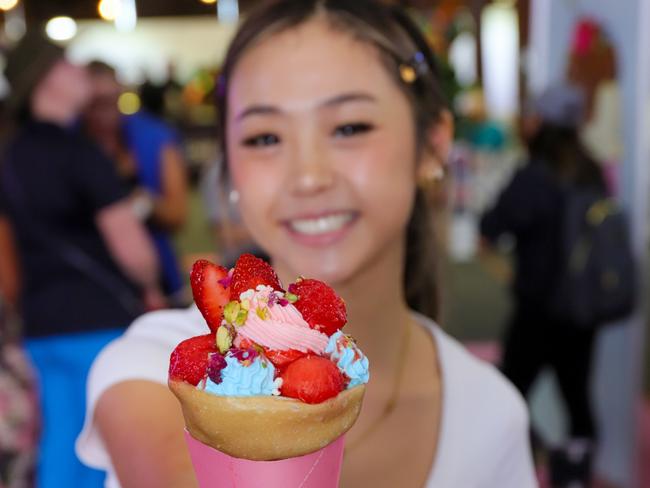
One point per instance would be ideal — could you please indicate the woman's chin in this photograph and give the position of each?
(333, 269)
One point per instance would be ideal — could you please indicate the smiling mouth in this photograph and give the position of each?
(321, 225)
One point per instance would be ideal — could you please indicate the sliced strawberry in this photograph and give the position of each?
(189, 361)
(250, 272)
(209, 292)
(280, 359)
(319, 305)
(312, 379)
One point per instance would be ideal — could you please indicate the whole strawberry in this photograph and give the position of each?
(250, 272)
(319, 305)
(210, 291)
(312, 379)
(189, 361)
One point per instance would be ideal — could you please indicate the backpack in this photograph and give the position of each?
(597, 279)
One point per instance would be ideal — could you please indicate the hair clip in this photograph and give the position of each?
(412, 69)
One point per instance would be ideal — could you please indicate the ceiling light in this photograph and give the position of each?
(8, 4)
(61, 28)
(109, 9)
(129, 103)
(127, 17)
(228, 11)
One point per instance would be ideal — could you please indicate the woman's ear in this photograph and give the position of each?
(439, 140)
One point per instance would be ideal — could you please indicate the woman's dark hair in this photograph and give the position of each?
(408, 58)
(560, 148)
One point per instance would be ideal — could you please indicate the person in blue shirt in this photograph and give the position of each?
(149, 160)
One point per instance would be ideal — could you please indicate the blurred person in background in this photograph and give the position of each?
(18, 409)
(87, 266)
(19, 416)
(230, 233)
(149, 161)
(9, 268)
(164, 100)
(329, 165)
(531, 209)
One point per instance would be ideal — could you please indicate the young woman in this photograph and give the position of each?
(331, 113)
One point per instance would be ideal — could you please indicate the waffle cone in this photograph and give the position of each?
(266, 428)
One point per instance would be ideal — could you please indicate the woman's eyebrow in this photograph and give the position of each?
(262, 109)
(348, 97)
(257, 110)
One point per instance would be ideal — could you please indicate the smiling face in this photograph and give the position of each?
(321, 147)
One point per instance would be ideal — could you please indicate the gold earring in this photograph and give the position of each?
(430, 177)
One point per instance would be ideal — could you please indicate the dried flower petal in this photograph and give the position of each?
(226, 282)
(216, 363)
(244, 356)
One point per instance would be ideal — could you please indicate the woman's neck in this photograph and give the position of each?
(377, 310)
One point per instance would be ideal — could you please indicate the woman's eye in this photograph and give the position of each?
(348, 130)
(262, 140)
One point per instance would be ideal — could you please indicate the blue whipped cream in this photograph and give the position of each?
(349, 358)
(245, 377)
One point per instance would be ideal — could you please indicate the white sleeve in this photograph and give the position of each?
(142, 353)
(127, 358)
(513, 467)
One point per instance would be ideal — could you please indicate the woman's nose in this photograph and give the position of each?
(312, 171)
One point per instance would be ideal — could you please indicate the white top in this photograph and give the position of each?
(484, 433)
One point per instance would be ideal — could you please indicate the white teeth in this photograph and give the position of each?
(321, 225)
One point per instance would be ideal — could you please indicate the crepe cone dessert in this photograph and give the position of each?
(266, 428)
(275, 378)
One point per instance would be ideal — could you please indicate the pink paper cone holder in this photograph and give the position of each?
(214, 469)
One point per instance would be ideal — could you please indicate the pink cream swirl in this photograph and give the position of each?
(282, 328)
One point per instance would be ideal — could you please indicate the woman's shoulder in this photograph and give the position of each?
(143, 351)
(167, 326)
(475, 386)
(485, 422)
